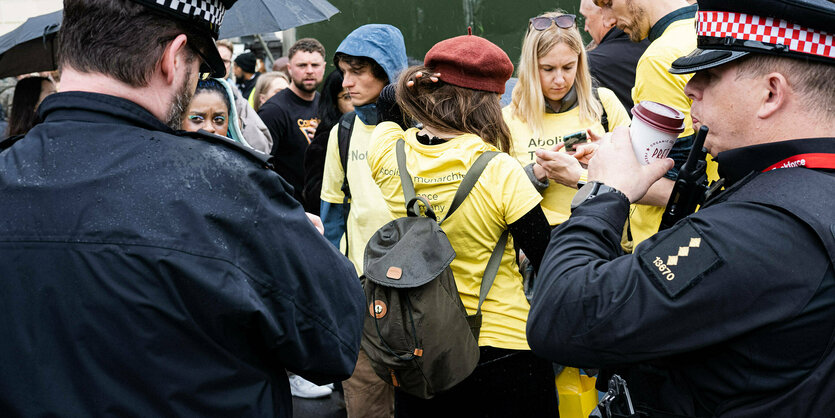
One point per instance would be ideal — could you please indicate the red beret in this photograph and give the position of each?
(472, 62)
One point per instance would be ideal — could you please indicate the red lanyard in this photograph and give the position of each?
(813, 160)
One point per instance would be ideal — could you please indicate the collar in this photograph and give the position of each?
(737, 163)
(613, 33)
(659, 27)
(96, 107)
(367, 113)
(568, 102)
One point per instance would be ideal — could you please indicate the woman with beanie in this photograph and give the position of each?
(555, 98)
(455, 96)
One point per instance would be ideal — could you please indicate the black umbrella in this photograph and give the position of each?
(30, 47)
(250, 17)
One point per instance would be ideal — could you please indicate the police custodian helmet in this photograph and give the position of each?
(204, 15)
(729, 30)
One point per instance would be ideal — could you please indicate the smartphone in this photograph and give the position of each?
(574, 139)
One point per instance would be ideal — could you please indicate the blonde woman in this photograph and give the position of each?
(555, 99)
(266, 87)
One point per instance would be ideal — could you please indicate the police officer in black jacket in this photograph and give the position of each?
(731, 312)
(146, 271)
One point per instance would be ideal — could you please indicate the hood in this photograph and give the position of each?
(382, 43)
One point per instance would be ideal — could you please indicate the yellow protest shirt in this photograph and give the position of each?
(556, 200)
(654, 82)
(368, 210)
(502, 195)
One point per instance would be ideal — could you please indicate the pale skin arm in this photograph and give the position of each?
(615, 165)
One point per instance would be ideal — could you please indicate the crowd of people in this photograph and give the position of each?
(185, 232)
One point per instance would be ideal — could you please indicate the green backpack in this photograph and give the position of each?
(417, 334)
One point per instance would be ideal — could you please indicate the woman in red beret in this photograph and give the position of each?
(554, 99)
(455, 98)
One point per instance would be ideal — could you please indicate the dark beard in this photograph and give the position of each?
(301, 87)
(179, 106)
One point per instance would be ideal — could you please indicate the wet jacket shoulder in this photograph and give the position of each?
(154, 274)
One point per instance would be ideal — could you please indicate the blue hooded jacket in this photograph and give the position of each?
(383, 44)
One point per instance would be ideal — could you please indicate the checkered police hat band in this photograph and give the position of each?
(210, 12)
(766, 30)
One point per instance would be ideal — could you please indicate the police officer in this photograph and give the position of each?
(147, 271)
(731, 312)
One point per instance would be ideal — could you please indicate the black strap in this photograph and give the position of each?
(343, 137)
(469, 181)
(604, 117)
(8, 142)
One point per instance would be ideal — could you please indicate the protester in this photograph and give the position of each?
(291, 114)
(267, 86)
(334, 102)
(252, 128)
(245, 74)
(152, 273)
(555, 98)
(211, 110)
(731, 312)
(28, 95)
(669, 26)
(456, 99)
(369, 58)
(614, 58)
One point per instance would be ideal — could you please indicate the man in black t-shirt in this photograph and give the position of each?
(291, 115)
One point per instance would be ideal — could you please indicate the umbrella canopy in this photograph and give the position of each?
(30, 47)
(249, 17)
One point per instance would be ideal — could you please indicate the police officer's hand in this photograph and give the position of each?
(614, 164)
(559, 166)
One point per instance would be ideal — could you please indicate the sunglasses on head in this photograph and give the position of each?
(562, 21)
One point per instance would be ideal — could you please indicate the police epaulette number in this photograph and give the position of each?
(680, 260)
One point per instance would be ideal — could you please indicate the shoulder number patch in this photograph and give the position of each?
(677, 262)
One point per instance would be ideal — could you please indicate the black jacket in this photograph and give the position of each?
(613, 62)
(730, 313)
(150, 274)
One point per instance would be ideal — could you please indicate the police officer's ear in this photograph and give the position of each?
(776, 92)
(174, 57)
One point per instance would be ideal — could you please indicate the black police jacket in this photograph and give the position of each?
(148, 274)
(730, 313)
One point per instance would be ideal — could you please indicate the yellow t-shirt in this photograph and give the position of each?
(368, 211)
(502, 195)
(556, 200)
(654, 82)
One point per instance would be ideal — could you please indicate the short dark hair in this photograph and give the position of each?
(358, 63)
(306, 45)
(120, 38)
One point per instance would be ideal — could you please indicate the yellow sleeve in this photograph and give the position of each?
(381, 146)
(617, 114)
(519, 196)
(333, 176)
(654, 83)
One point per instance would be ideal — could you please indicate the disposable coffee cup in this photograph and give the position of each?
(655, 128)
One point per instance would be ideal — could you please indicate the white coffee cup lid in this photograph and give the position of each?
(660, 116)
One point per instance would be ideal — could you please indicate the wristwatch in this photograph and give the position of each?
(590, 190)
